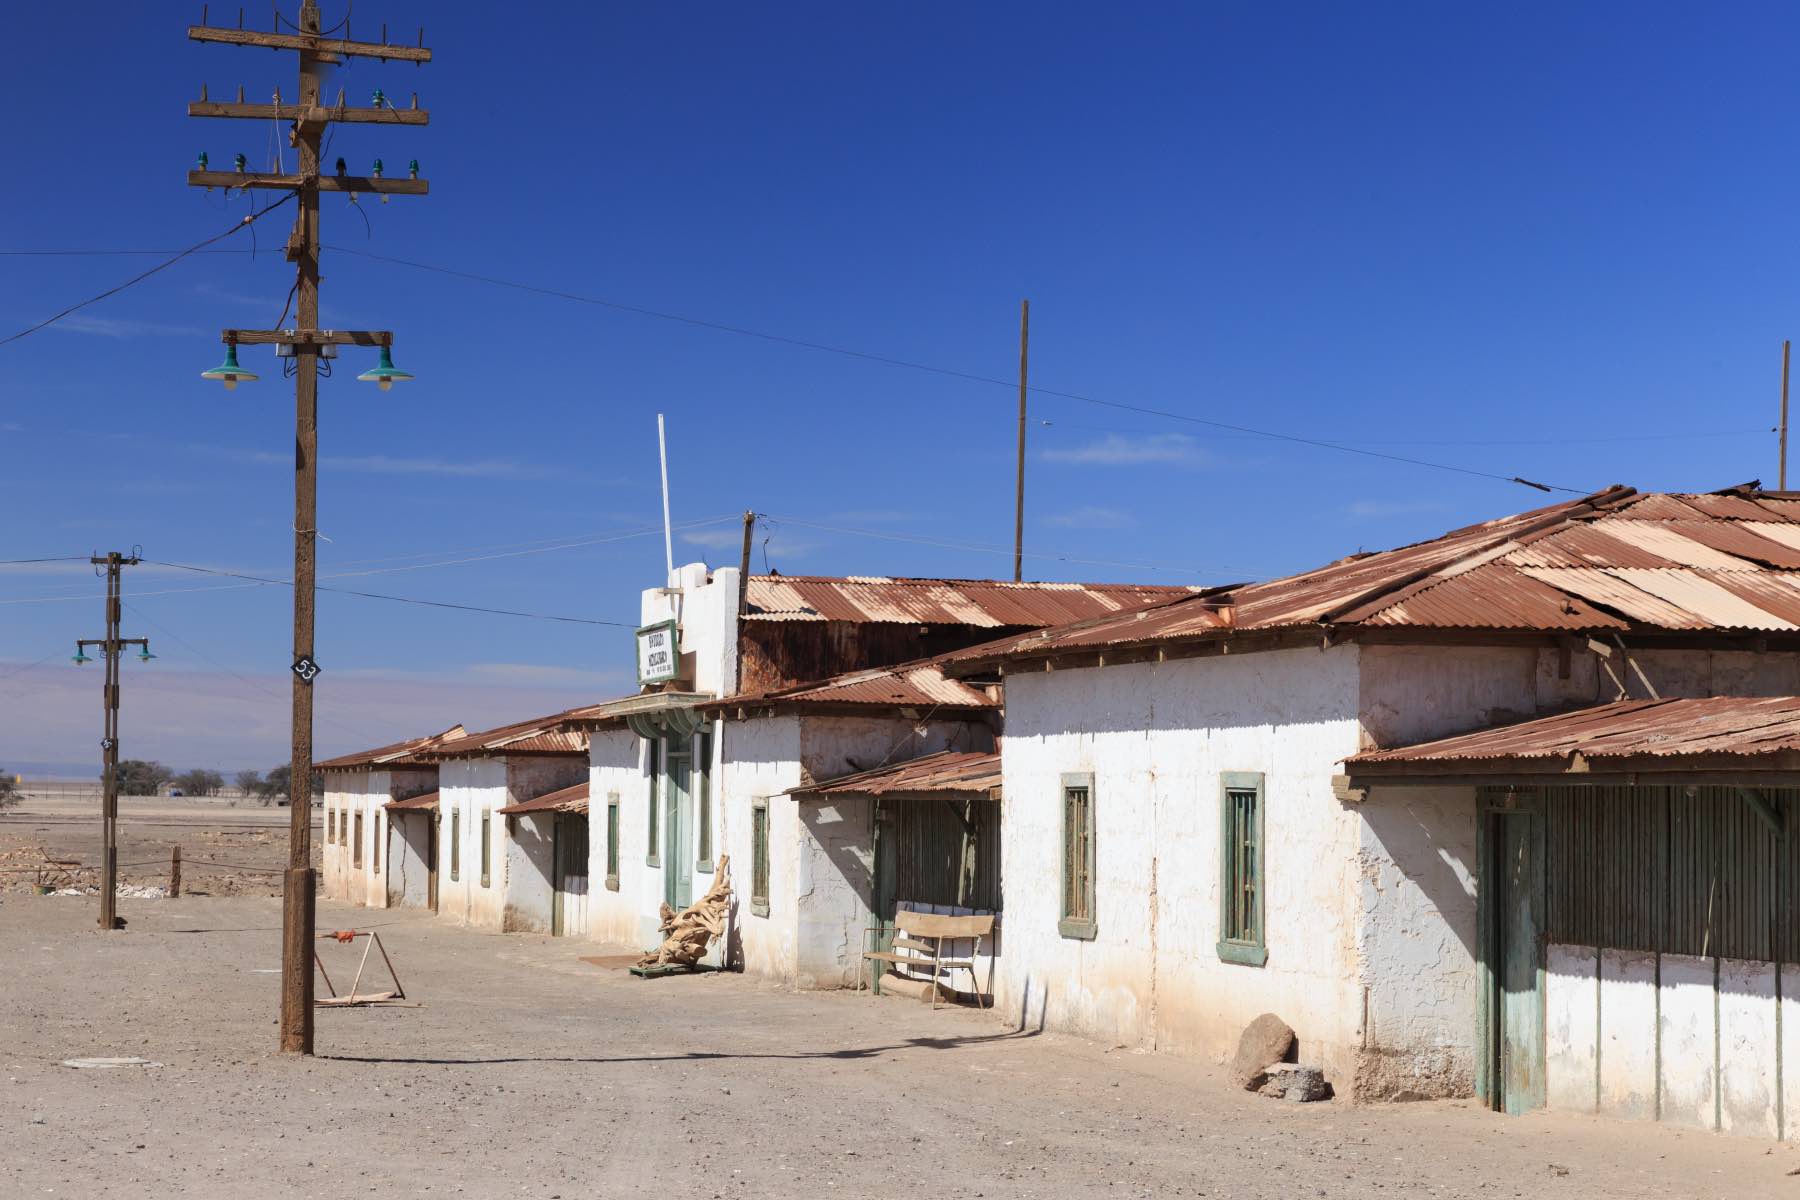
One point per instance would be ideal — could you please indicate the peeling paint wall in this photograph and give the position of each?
(409, 869)
(705, 606)
(363, 880)
(616, 767)
(1694, 1042)
(762, 760)
(1156, 738)
(469, 787)
(530, 895)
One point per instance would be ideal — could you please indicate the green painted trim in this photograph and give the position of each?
(1771, 816)
(655, 763)
(614, 814)
(759, 857)
(1082, 928)
(1252, 951)
(487, 848)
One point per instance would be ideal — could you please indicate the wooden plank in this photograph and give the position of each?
(301, 41)
(310, 115)
(311, 337)
(932, 925)
(658, 970)
(324, 183)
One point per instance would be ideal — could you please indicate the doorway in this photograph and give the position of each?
(568, 916)
(431, 860)
(1512, 896)
(678, 823)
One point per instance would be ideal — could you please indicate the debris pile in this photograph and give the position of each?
(687, 934)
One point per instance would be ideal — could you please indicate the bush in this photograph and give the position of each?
(249, 782)
(139, 778)
(9, 789)
(199, 782)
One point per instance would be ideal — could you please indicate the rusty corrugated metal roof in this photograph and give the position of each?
(983, 603)
(945, 771)
(1615, 561)
(426, 803)
(540, 735)
(400, 754)
(568, 800)
(920, 684)
(1714, 728)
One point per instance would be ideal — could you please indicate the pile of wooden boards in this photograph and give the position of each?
(687, 934)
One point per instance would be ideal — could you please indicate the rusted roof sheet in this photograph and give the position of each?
(541, 735)
(426, 803)
(920, 684)
(400, 754)
(568, 800)
(1615, 561)
(983, 603)
(945, 771)
(1729, 726)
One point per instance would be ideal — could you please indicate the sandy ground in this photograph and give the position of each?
(527, 1072)
(225, 850)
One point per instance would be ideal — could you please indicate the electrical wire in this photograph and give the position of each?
(248, 221)
(952, 373)
(15, 562)
(1052, 423)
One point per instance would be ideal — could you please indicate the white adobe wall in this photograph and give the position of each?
(469, 786)
(762, 759)
(409, 866)
(530, 873)
(705, 605)
(334, 853)
(616, 767)
(348, 794)
(1156, 738)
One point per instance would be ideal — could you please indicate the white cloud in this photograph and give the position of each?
(1091, 516)
(1123, 450)
(714, 539)
(385, 464)
(114, 327)
(1368, 510)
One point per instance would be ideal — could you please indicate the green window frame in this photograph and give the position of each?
(330, 826)
(356, 846)
(702, 776)
(1242, 891)
(455, 844)
(653, 757)
(612, 841)
(1079, 857)
(375, 842)
(759, 856)
(487, 847)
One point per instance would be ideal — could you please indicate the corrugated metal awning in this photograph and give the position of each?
(425, 803)
(946, 771)
(568, 800)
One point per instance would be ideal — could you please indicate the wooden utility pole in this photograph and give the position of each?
(305, 344)
(110, 647)
(1781, 478)
(1019, 492)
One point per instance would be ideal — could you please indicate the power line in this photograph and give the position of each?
(948, 372)
(1051, 423)
(243, 223)
(501, 612)
(14, 562)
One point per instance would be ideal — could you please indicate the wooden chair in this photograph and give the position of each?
(919, 944)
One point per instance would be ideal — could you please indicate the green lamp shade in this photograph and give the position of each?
(80, 656)
(384, 374)
(144, 655)
(228, 372)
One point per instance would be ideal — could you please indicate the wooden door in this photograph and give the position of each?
(1518, 974)
(678, 840)
(431, 861)
(569, 908)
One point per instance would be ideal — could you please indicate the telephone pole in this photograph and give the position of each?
(110, 646)
(1019, 492)
(305, 345)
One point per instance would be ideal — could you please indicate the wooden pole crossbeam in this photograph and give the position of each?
(314, 115)
(308, 337)
(308, 42)
(294, 183)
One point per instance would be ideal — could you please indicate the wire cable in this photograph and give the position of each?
(245, 222)
(949, 372)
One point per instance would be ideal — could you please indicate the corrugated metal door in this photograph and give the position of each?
(1521, 1021)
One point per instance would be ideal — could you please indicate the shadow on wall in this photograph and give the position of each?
(1419, 829)
(1043, 1012)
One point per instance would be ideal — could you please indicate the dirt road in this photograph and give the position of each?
(527, 1072)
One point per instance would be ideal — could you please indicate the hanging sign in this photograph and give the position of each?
(658, 652)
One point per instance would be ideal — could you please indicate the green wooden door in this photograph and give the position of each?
(678, 832)
(1519, 972)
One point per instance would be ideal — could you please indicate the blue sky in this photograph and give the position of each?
(1546, 240)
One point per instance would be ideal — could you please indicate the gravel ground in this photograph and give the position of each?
(527, 1072)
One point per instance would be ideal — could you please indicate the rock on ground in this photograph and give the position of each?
(1266, 1041)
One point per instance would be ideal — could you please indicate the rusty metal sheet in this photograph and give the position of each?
(399, 754)
(566, 800)
(945, 771)
(1694, 592)
(1761, 543)
(1709, 726)
(981, 603)
(542, 735)
(1660, 506)
(1586, 546)
(1607, 590)
(425, 803)
(1660, 538)
(1495, 597)
(1781, 507)
(1727, 507)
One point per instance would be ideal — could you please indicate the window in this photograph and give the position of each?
(759, 856)
(330, 826)
(1078, 916)
(375, 846)
(653, 758)
(1241, 868)
(455, 845)
(356, 846)
(703, 802)
(612, 841)
(487, 829)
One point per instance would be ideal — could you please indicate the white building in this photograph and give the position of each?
(358, 854)
(1183, 850)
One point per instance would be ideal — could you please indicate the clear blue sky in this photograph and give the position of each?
(1510, 241)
